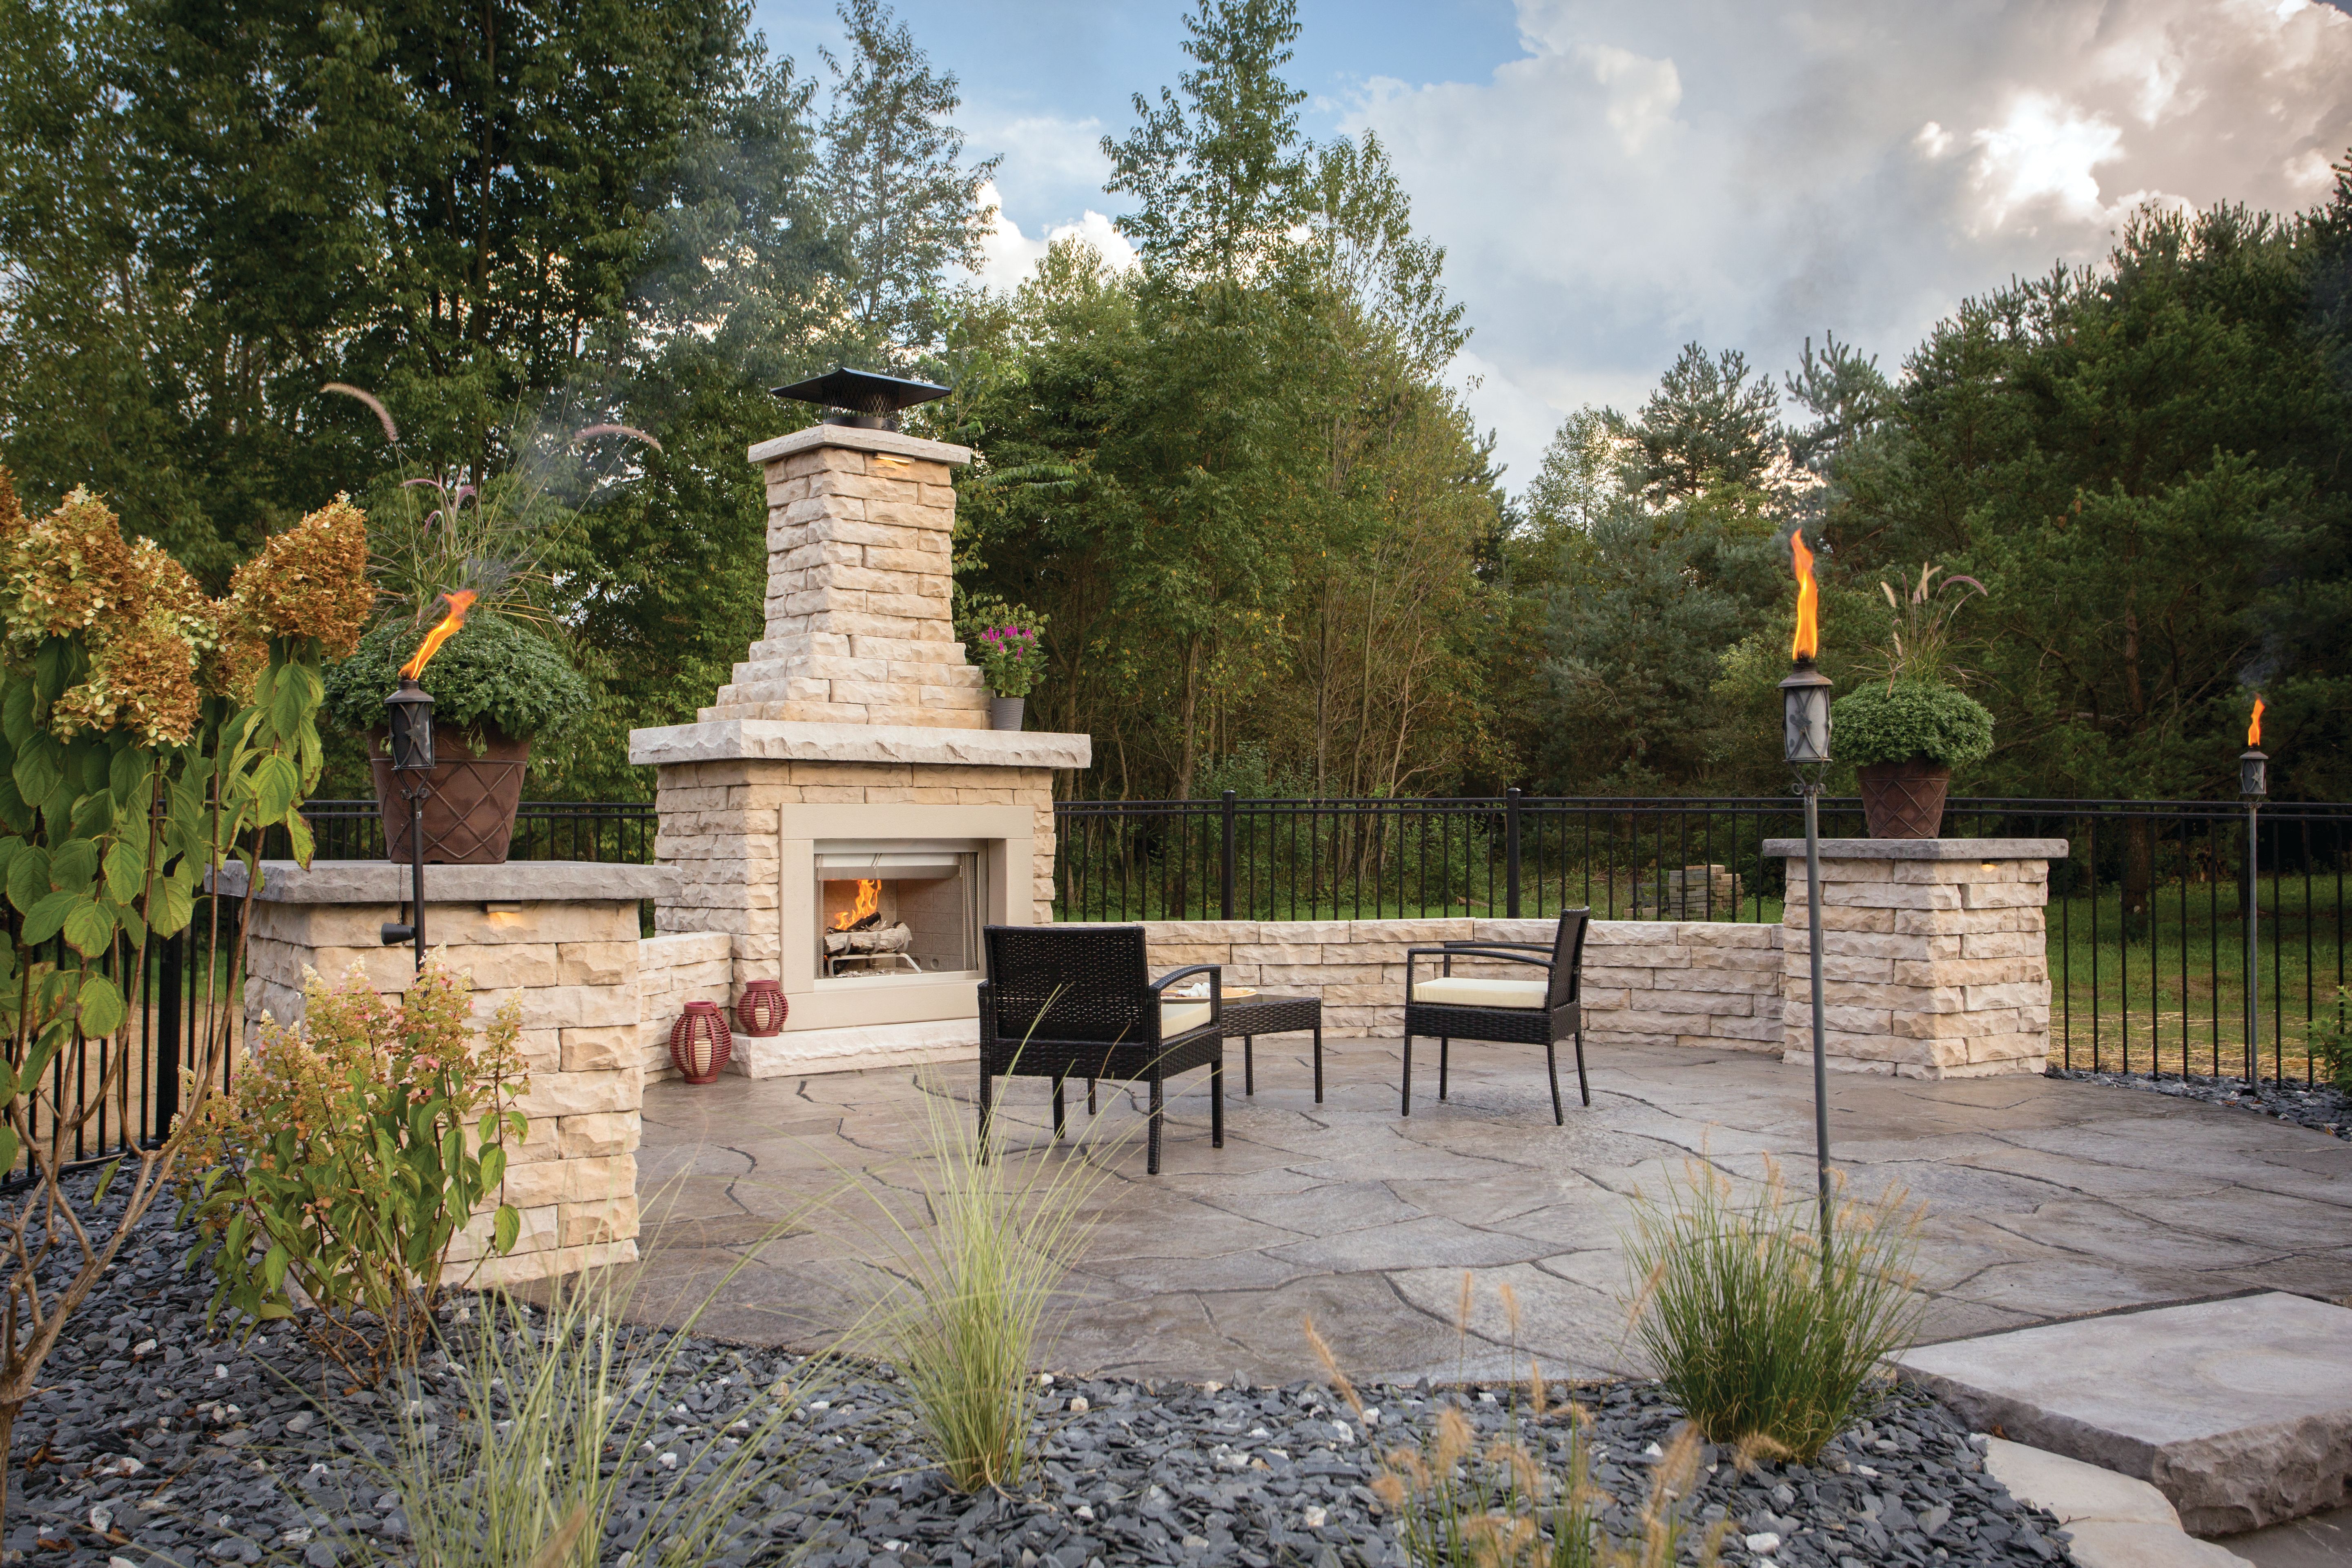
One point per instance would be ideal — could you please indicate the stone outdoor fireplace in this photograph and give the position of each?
(847, 777)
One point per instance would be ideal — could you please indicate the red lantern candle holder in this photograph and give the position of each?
(700, 1044)
(762, 1009)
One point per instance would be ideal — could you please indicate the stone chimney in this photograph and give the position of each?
(860, 530)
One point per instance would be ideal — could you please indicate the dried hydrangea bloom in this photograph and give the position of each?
(12, 516)
(309, 582)
(69, 571)
(142, 683)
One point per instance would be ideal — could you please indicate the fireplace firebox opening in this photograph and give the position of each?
(899, 909)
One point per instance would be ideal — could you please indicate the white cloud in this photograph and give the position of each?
(1749, 171)
(1009, 256)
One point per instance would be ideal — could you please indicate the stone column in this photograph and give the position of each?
(562, 936)
(860, 530)
(1934, 961)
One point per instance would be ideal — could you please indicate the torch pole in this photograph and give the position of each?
(2253, 940)
(416, 868)
(1813, 789)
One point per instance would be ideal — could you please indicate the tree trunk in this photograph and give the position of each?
(1189, 710)
(2139, 875)
(7, 1434)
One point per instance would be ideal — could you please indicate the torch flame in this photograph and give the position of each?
(2254, 730)
(869, 898)
(459, 602)
(1808, 640)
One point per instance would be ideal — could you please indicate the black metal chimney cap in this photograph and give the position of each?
(869, 401)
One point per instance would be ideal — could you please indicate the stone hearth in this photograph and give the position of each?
(855, 727)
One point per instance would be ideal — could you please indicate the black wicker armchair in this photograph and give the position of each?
(1080, 1001)
(1528, 1012)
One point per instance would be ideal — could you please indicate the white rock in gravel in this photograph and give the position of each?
(1766, 1541)
(1084, 1511)
(1371, 1415)
(1313, 1517)
(102, 1518)
(1078, 1405)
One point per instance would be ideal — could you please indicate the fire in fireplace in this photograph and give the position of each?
(897, 909)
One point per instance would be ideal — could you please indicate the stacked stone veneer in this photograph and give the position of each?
(723, 823)
(1683, 982)
(561, 939)
(686, 966)
(860, 524)
(1934, 955)
(854, 718)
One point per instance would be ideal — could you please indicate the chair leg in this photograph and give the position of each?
(1445, 1054)
(1249, 1064)
(1318, 1064)
(984, 1107)
(1217, 1103)
(1151, 1138)
(1091, 1111)
(1583, 1087)
(1058, 1119)
(1408, 1075)
(1552, 1071)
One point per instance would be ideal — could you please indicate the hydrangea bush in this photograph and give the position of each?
(148, 733)
(349, 1153)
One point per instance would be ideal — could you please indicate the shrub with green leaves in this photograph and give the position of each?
(2331, 1040)
(1907, 722)
(1761, 1341)
(148, 733)
(493, 673)
(348, 1155)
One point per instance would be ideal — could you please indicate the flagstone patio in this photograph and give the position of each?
(2045, 1199)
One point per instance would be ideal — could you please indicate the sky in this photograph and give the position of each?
(1612, 181)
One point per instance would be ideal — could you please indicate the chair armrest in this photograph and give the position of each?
(1531, 946)
(1216, 973)
(1466, 951)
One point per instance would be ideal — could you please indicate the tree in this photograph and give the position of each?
(895, 184)
(1218, 174)
(1707, 422)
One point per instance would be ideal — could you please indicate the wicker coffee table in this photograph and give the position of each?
(1250, 1016)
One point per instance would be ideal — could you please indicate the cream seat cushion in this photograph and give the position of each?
(1465, 992)
(1175, 1017)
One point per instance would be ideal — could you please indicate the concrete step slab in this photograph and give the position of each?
(2240, 1410)
(2111, 1520)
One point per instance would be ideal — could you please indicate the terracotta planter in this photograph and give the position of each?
(1004, 713)
(1904, 800)
(469, 817)
(700, 1044)
(761, 1010)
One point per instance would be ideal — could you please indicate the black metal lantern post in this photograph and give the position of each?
(2254, 783)
(1805, 742)
(859, 398)
(411, 709)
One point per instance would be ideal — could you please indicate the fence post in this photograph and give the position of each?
(1225, 864)
(1511, 851)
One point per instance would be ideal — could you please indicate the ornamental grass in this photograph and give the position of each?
(1461, 1501)
(1764, 1346)
(973, 1288)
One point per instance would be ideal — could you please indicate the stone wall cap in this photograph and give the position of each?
(516, 883)
(1925, 849)
(784, 739)
(861, 439)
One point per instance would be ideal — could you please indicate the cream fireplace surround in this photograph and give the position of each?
(855, 720)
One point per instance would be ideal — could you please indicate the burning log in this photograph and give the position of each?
(874, 939)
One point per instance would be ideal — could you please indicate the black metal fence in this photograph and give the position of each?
(2146, 918)
(129, 1086)
(544, 831)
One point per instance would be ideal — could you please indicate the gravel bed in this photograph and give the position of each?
(2322, 1107)
(155, 1440)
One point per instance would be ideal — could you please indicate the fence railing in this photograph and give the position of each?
(544, 831)
(2146, 918)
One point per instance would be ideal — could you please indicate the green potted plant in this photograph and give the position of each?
(1008, 644)
(1906, 733)
(445, 547)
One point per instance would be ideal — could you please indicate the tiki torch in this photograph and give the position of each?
(410, 717)
(1805, 701)
(2254, 783)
